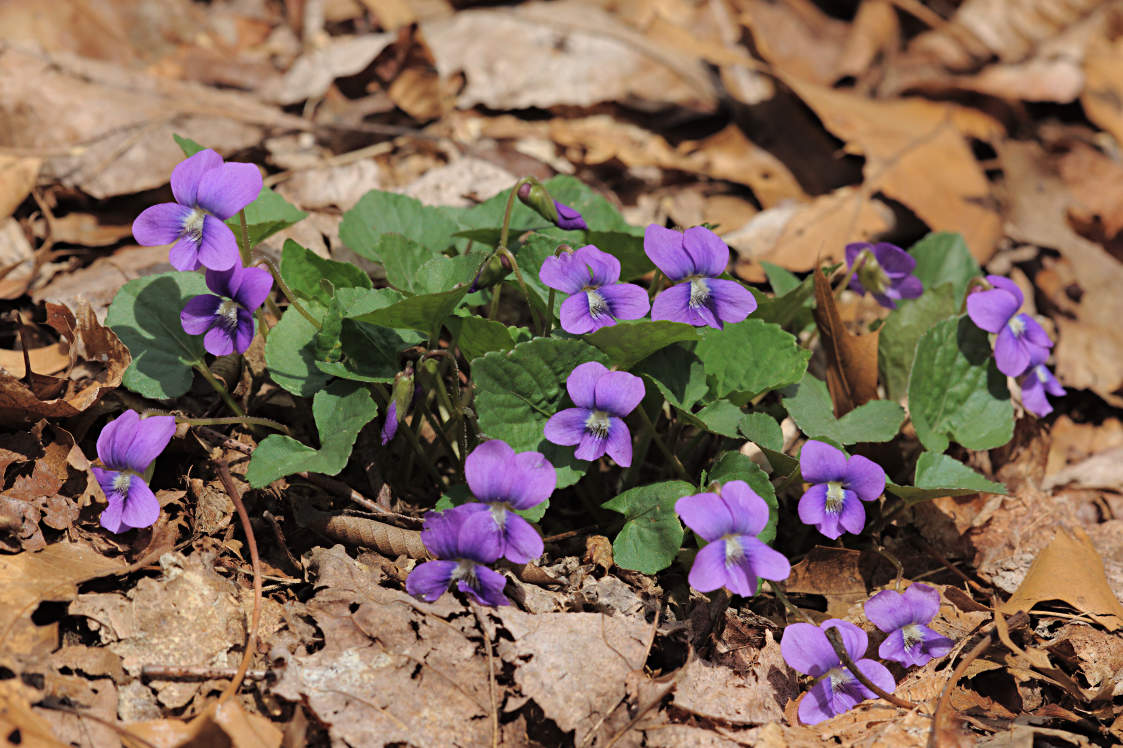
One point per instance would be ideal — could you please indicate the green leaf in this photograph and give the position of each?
(265, 216)
(749, 358)
(302, 269)
(736, 466)
(625, 246)
(290, 353)
(370, 353)
(896, 347)
(442, 273)
(781, 279)
(365, 228)
(340, 410)
(631, 341)
(939, 475)
(599, 214)
(955, 390)
(652, 533)
(721, 417)
(677, 373)
(517, 391)
(145, 315)
(189, 146)
(476, 336)
(762, 430)
(944, 258)
(781, 463)
(425, 313)
(790, 309)
(809, 405)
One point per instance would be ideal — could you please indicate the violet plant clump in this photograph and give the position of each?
(597, 297)
(693, 260)
(463, 542)
(905, 617)
(733, 557)
(834, 503)
(597, 425)
(885, 271)
(207, 192)
(1020, 339)
(805, 648)
(225, 318)
(127, 447)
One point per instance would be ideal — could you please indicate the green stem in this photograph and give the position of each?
(287, 291)
(493, 310)
(244, 247)
(656, 282)
(439, 429)
(455, 408)
(419, 450)
(858, 261)
(217, 385)
(505, 229)
(248, 420)
(671, 457)
(504, 252)
(264, 328)
(549, 314)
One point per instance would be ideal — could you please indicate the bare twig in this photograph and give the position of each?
(255, 561)
(200, 672)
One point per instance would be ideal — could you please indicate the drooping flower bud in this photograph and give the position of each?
(401, 395)
(534, 195)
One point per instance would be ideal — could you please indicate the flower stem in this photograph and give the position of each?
(244, 247)
(493, 310)
(287, 291)
(549, 314)
(411, 435)
(455, 407)
(248, 420)
(505, 229)
(858, 261)
(504, 252)
(217, 385)
(671, 457)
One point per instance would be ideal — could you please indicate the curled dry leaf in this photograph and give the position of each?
(851, 359)
(224, 723)
(312, 74)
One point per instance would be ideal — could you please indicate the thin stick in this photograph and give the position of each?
(671, 456)
(490, 676)
(199, 672)
(222, 392)
(835, 639)
(255, 561)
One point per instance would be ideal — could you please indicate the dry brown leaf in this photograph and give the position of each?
(753, 697)
(27, 579)
(851, 359)
(796, 37)
(49, 359)
(798, 236)
(19, 725)
(1096, 184)
(875, 31)
(1103, 88)
(916, 152)
(557, 54)
(17, 177)
(89, 230)
(224, 723)
(1070, 570)
(391, 14)
(313, 73)
(834, 573)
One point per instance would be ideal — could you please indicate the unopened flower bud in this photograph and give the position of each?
(535, 196)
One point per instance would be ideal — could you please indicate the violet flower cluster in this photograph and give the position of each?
(904, 616)
(597, 425)
(885, 270)
(1021, 345)
(597, 298)
(468, 537)
(840, 484)
(127, 447)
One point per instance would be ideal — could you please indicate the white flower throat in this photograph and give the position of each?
(193, 224)
(699, 292)
(1017, 325)
(912, 635)
(734, 551)
(121, 483)
(227, 314)
(597, 423)
(598, 305)
(836, 495)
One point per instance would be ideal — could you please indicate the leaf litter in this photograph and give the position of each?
(894, 119)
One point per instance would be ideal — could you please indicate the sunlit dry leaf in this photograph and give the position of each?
(834, 573)
(1070, 570)
(875, 31)
(798, 38)
(17, 719)
(1103, 88)
(224, 723)
(17, 177)
(851, 359)
(312, 74)
(1096, 184)
(753, 697)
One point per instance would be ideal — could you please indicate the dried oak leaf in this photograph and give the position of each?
(851, 359)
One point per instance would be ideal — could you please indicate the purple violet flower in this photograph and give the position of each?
(597, 425)
(390, 425)
(693, 260)
(806, 649)
(569, 219)
(597, 298)
(227, 318)
(834, 503)
(1036, 383)
(126, 447)
(462, 542)
(207, 192)
(506, 482)
(1020, 338)
(886, 272)
(729, 523)
(903, 616)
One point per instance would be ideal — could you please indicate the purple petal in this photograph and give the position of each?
(603, 269)
(105, 479)
(1051, 384)
(909, 288)
(1033, 333)
(705, 315)
(893, 648)
(924, 644)
(673, 304)
(225, 282)
(229, 188)
(567, 427)
(731, 301)
(429, 580)
(819, 462)
(708, 515)
(564, 273)
(805, 648)
(440, 532)
(243, 333)
(625, 300)
(189, 172)
(115, 438)
(592, 447)
(533, 479)
(889, 611)
(991, 310)
(1007, 285)
(1033, 394)
(150, 438)
(618, 444)
(854, 640)
(160, 224)
(748, 510)
(522, 542)
(932, 645)
(765, 562)
(218, 341)
(141, 508)
(219, 249)
(853, 250)
(575, 317)
(895, 261)
(487, 470)
(390, 425)
(665, 248)
(852, 518)
(886, 299)
(618, 393)
(740, 576)
(709, 570)
(111, 517)
(582, 383)
(923, 601)
(199, 313)
(184, 255)
(864, 477)
(878, 674)
(1011, 354)
(488, 587)
(568, 218)
(708, 253)
(479, 534)
(818, 705)
(813, 505)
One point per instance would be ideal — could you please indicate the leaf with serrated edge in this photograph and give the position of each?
(652, 533)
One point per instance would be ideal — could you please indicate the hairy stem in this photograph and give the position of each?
(217, 385)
